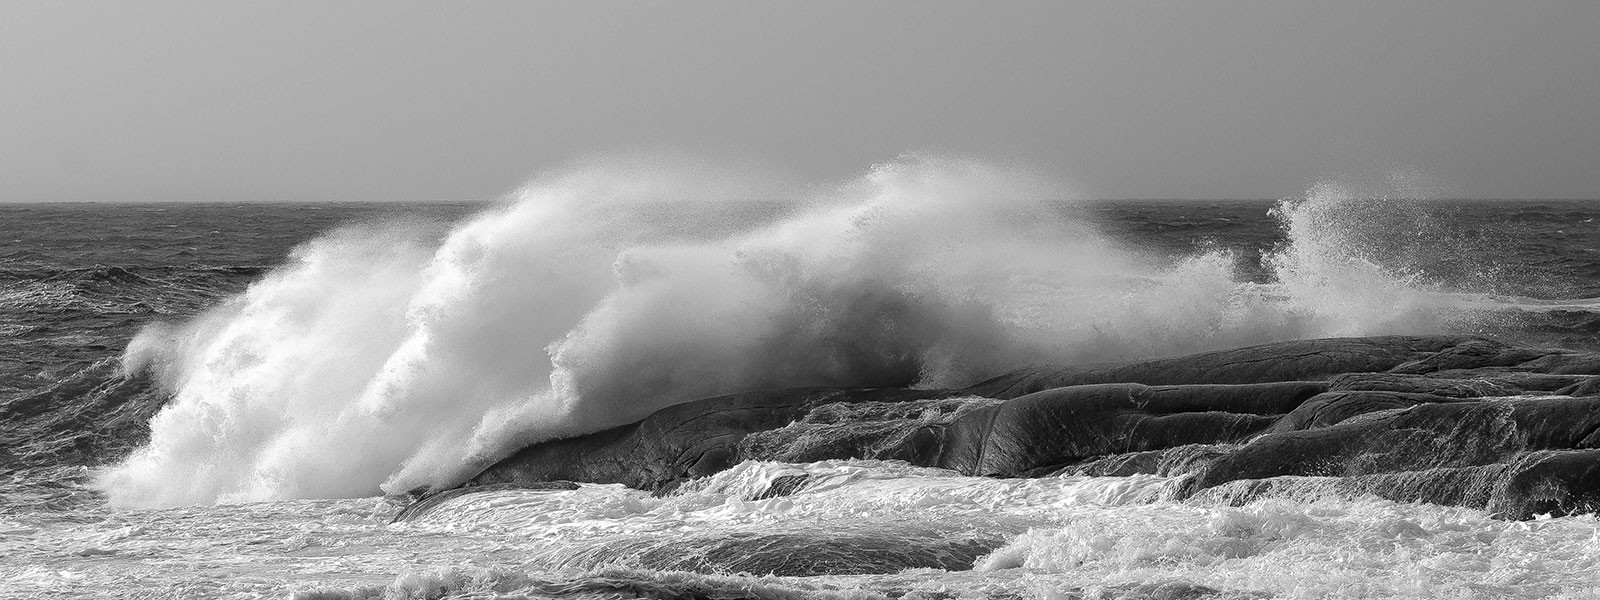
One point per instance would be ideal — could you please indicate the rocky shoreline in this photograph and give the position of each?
(1453, 420)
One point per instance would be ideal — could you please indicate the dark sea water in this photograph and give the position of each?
(1113, 280)
(77, 281)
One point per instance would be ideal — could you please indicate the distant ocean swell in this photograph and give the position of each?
(389, 357)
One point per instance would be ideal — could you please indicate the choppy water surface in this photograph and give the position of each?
(1054, 537)
(242, 384)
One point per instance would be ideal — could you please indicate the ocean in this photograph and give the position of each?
(234, 400)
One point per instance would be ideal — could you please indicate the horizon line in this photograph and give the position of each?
(505, 199)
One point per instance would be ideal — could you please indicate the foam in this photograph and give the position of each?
(1054, 537)
(1317, 549)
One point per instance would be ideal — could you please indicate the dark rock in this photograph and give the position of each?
(1447, 419)
(1300, 360)
(1470, 354)
(1554, 483)
(1588, 386)
(1067, 425)
(1333, 408)
(1460, 486)
(1560, 482)
(1425, 384)
(1166, 462)
(1566, 363)
(911, 431)
(1526, 382)
(1422, 437)
(679, 442)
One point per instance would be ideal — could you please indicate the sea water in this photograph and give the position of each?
(214, 401)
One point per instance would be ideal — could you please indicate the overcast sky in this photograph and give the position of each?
(391, 100)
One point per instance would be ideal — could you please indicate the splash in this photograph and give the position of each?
(389, 357)
(1356, 263)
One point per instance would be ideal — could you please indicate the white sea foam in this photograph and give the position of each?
(841, 492)
(1085, 535)
(1318, 549)
(1065, 537)
(380, 357)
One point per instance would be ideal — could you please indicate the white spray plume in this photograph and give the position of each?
(383, 358)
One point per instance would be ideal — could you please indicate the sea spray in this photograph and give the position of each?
(1355, 262)
(383, 358)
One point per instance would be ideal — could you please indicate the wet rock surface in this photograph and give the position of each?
(1442, 419)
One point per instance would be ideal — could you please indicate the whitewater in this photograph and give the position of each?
(578, 307)
(289, 418)
(1053, 538)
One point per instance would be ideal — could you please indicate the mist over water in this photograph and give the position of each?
(395, 356)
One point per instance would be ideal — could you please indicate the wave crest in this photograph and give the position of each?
(387, 357)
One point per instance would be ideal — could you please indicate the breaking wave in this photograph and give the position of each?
(392, 357)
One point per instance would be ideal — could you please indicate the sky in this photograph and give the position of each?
(407, 101)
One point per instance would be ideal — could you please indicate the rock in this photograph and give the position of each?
(911, 431)
(1417, 438)
(1040, 431)
(1055, 427)
(1566, 363)
(1561, 482)
(1451, 387)
(1447, 419)
(1553, 483)
(1588, 386)
(676, 443)
(1332, 408)
(1299, 360)
(1470, 354)
(1164, 462)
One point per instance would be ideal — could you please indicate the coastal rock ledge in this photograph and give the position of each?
(1451, 420)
